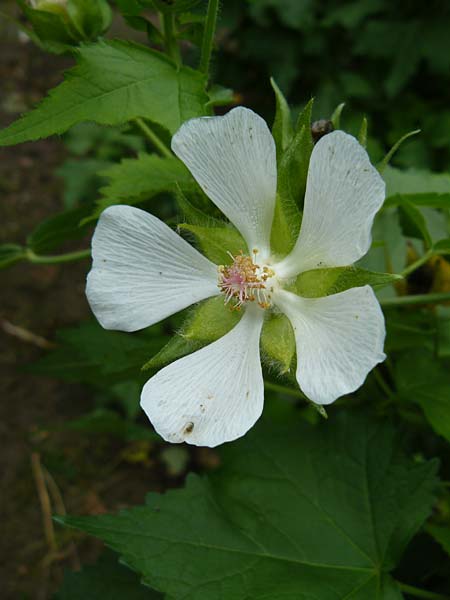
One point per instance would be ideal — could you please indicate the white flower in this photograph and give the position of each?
(143, 272)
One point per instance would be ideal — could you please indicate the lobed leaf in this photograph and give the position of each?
(114, 82)
(296, 512)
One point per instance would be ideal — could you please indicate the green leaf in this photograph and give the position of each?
(57, 229)
(114, 82)
(413, 223)
(423, 379)
(94, 355)
(217, 242)
(430, 200)
(107, 579)
(282, 129)
(441, 534)
(442, 247)
(324, 282)
(135, 180)
(278, 342)
(297, 511)
(11, 254)
(415, 182)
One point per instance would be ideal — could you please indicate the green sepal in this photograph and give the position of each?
(278, 342)
(176, 348)
(51, 28)
(282, 128)
(90, 18)
(210, 321)
(11, 254)
(293, 166)
(324, 282)
(362, 135)
(205, 324)
(336, 116)
(286, 225)
(384, 163)
(216, 242)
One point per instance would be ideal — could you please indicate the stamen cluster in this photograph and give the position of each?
(244, 281)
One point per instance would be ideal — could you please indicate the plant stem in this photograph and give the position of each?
(282, 389)
(418, 593)
(208, 36)
(172, 49)
(418, 263)
(154, 139)
(39, 259)
(433, 298)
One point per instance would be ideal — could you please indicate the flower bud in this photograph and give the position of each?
(60, 24)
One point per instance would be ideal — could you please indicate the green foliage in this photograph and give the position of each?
(11, 254)
(54, 231)
(442, 535)
(334, 525)
(135, 180)
(114, 82)
(91, 354)
(106, 579)
(210, 321)
(423, 380)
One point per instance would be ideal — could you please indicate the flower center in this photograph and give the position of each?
(245, 281)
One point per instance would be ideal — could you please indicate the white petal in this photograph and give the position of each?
(142, 271)
(339, 339)
(213, 395)
(233, 159)
(343, 193)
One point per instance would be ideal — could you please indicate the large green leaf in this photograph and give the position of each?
(114, 82)
(107, 579)
(423, 379)
(135, 180)
(415, 181)
(296, 512)
(94, 355)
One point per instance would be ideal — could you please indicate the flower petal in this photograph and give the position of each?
(343, 193)
(213, 395)
(143, 271)
(233, 158)
(339, 339)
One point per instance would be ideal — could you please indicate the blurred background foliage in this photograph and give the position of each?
(389, 61)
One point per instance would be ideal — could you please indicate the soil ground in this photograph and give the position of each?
(90, 474)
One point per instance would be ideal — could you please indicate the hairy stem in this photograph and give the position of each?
(41, 259)
(171, 44)
(154, 139)
(433, 298)
(208, 36)
(416, 264)
(418, 593)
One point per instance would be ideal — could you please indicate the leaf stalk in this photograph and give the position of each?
(208, 36)
(153, 138)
